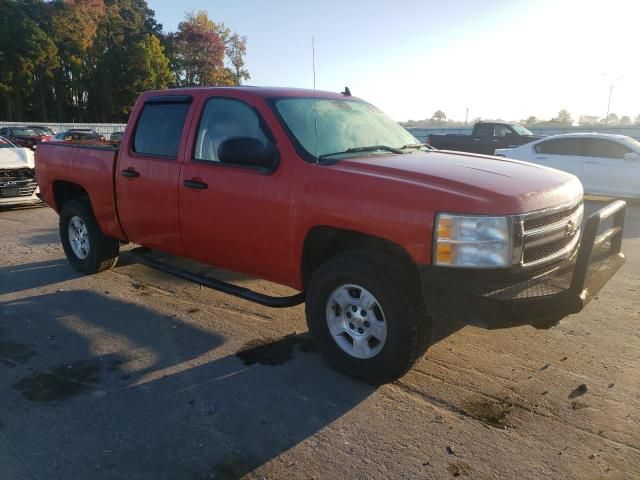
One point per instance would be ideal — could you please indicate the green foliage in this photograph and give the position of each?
(88, 60)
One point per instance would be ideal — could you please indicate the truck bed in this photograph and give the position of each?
(88, 164)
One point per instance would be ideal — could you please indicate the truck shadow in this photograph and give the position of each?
(16, 278)
(141, 394)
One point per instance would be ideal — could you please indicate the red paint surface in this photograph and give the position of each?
(256, 224)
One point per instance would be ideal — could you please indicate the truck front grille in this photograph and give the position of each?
(551, 234)
(19, 182)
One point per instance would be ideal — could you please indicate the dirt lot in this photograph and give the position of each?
(133, 374)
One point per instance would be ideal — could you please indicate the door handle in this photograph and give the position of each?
(195, 184)
(130, 173)
(590, 162)
(541, 158)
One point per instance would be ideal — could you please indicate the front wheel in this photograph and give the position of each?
(367, 316)
(86, 248)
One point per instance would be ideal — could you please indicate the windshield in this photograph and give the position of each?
(24, 132)
(633, 144)
(340, 125)
(520, 130)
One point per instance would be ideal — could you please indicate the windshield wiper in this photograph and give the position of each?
(372, 148)
(417, 145)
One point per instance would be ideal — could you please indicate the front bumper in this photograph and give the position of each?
(21, 200)
(541, 298)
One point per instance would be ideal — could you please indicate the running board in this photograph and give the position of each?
(142, 256)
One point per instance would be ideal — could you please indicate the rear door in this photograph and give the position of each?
(148, 172)
(606, 171)
(565, 154)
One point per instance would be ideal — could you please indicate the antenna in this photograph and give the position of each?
(315, 111)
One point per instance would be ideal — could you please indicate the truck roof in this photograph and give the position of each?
(264, 92)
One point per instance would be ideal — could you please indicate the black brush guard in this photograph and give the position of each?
(540, 300)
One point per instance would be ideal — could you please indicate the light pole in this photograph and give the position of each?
(606, 117)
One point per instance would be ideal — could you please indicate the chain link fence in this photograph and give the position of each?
(104, 129)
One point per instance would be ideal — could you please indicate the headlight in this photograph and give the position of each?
(472, 241)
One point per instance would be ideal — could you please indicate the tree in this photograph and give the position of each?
(74, 28)
(587, 120)
(200, 50)
(152, 66)
(439, 116)
(29, 58)
(636, 121)
(236, 51)
(625, 120)
(531, 121)
(612, 119)
(563, 119)
(117, 77)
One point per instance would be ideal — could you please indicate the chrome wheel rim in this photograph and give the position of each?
(356, 321)
(78, 237)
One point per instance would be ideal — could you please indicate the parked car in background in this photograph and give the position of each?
(605, 163)
(485, 138)
(90, 133)
(17, 175)
(24, 136)
(116, 136)
(77, 136)
(43, 128)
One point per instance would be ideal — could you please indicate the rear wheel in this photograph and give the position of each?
(367, 316)
(86, 248)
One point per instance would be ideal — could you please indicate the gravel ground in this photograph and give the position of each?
(134, 374)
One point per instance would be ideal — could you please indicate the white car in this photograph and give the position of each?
(605, 163)
(17, 175)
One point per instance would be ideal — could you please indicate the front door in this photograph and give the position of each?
(607, 172)
(148, 173)
(235, 216)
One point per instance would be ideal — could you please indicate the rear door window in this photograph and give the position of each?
(484, 130)
(159, 129)
(561, 146)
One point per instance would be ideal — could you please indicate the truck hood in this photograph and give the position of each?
(12, 158)
(493, 184)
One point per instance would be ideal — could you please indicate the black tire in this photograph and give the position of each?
(397, 291)
(103, 251)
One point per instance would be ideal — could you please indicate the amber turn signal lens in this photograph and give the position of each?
(444, 254)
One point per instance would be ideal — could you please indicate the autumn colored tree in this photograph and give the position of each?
(200, 46)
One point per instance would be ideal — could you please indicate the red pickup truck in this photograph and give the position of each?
(324, 193)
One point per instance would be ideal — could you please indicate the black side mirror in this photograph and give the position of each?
(247, 151)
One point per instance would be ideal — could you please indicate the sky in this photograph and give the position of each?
(504, 59)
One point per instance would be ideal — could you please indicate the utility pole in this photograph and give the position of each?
(466, 117)
(606, 117)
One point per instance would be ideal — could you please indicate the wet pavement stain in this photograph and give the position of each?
(13, 354)
(458, 469)
(494, 414)
(61, 383)
(272, 353)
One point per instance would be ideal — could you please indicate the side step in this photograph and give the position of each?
(142, 256)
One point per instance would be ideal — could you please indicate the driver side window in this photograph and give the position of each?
(224, 118)
(502, 131)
